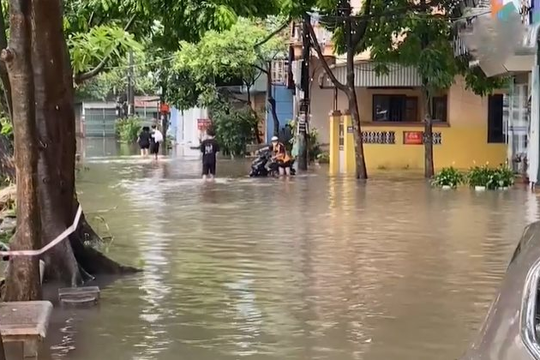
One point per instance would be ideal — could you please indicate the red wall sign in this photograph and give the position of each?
(413, 137)
(164, 108)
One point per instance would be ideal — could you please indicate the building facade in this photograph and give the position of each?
(503, 39)
(468, 129)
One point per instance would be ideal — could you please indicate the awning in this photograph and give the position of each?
(366, 76)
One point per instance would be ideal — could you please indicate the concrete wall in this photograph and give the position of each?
(187, 133)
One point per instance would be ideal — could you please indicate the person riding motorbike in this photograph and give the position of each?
(281, 157)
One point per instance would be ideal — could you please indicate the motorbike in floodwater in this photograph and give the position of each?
(264, 165)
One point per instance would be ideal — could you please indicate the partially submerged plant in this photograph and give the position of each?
(505, 176)
(501, 177)
(448, 176)
(480, 176)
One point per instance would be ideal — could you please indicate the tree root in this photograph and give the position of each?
(91, 260)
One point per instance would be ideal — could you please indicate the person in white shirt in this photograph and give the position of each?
(157, 139)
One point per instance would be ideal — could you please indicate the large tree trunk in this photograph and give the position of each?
(361, 171)
(56, 170)
(54, 115)
(429, 169)
(23, 282)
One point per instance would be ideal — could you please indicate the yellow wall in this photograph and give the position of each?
(464, 137)
(460, 147)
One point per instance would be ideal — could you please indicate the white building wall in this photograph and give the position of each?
(187, 133)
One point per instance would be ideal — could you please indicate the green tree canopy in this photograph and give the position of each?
(223, 56)
(113, 81)
(421, 35)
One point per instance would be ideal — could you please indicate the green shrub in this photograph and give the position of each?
(128, 129)
(7, 127)
(500, 177)
(323, 157)
(505, 176)
(234, 129)
(313, 139)
(448, 177)
(481, 176)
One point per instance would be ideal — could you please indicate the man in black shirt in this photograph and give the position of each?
(209, 149)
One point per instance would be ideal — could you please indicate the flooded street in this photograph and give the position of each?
(310, 268)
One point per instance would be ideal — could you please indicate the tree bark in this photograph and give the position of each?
(56, 167)
(23, 281)
(361, 171)
(54, 114)
(429, 170)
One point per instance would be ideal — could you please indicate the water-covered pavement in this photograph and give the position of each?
(306, 268)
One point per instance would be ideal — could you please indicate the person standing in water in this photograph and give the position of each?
(281, 157)
(144, 141)
(157, 138)
(209, 150)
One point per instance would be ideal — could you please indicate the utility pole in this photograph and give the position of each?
(130, 87)
(303, 116)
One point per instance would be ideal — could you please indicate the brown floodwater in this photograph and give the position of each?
(307, 268)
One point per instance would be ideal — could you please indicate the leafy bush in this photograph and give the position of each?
(505, 176)
(481, 176)
(448, 177)
(234, 128)
(313, 140)
(323, 157)
(7, 127)
(128, 130)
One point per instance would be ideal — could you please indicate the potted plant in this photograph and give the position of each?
(505, 177)
(448, 178)
(480, 177)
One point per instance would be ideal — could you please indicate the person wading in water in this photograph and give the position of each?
(157, 138)
(209, 150)
(280, 156)
(144, 141)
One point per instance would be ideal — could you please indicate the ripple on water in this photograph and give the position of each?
(306, 268)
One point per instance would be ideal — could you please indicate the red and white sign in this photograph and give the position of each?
(413, 137)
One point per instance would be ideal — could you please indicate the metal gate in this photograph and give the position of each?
(99, 122)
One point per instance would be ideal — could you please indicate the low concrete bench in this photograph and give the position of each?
(25, 323)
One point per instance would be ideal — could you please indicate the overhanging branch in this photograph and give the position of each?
(261, 69)
(272, 34)
(324, 64)
(79, 78)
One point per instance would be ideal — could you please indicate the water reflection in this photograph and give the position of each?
(310, 268)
